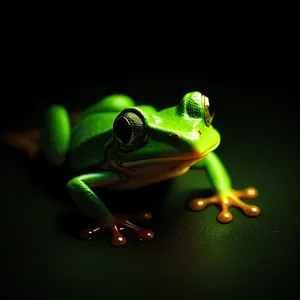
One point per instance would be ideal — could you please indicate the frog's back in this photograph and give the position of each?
(89, 138)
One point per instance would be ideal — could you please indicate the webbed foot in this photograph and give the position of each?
(29, 141)
(119, 223)
(229, 200)
(26, 141)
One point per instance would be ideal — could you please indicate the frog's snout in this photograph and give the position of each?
(175, 137)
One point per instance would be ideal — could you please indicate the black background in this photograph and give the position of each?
(248, 76)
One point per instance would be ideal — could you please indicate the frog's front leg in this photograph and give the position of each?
(225, 196)
(90, 204)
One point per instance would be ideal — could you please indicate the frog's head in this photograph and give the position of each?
(167, 141)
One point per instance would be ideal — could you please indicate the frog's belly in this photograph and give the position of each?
(136, 182)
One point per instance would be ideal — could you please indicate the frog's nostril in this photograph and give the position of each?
(175, 137)
(199, 132)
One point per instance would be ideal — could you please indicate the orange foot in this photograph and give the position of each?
(118, 224)
(226, 201)
(26, 141)
(29, 141)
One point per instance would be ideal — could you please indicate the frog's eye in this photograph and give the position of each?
(129, 129)
(208, 111)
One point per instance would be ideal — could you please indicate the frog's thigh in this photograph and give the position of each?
(112, 103)
(56, 134)
(148, 109)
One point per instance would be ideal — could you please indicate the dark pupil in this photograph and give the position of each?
(123, 130)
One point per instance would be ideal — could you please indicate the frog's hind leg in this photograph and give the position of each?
(112, 103)
(27, 141)
(56, 134)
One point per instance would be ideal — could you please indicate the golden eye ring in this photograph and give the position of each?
(208, 111)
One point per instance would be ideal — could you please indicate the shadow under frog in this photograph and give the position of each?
(153, 198)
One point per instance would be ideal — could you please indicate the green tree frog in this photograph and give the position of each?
(129, 147)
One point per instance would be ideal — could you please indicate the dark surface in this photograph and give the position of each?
(192, 254)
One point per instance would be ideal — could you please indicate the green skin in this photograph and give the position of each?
(162, 145)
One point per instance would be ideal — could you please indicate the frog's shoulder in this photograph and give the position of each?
(90, 126)
(89, 139)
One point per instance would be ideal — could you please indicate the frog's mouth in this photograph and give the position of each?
(161, 168)
(171, 161)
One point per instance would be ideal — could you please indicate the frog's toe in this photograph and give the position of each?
(146, 235)
(225, 216)
(251, 210)
(249, 192)
(200, 203)
(117, 239)
(143, 233)
(143, 216)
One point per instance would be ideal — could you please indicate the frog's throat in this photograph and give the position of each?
(144, 172)
(155, 170)
(193, 156)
